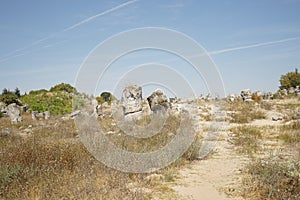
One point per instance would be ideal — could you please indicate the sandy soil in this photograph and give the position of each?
(217, 177)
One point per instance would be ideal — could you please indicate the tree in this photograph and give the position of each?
(9, 98)
(5, 91)
(105, 97)
(63, 87)
(17, 92)
(291, 79)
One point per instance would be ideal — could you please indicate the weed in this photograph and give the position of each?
(245, 112)
(270, 179)
(290, 133)
(246, 138)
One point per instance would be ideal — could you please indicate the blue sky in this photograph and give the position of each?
(252, 43)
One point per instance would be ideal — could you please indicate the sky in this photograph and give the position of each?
(250, 43)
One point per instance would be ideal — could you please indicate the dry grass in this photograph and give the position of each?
(51, 163)
(290, 133)
(245, 112)
(271, 179)
(246, 138)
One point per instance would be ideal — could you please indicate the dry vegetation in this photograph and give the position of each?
(274, 170)
(51, 163)
(244, 112)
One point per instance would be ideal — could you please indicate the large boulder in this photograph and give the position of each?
(14, 113)
(246, 95)
(132, 99)
(158, 100)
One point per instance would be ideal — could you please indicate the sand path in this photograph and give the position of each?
(217, 177)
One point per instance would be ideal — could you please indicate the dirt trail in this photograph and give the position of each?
(213, 177)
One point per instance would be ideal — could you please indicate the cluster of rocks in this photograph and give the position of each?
(14, 112)
(42, 115)
(135, 106)
(247, 96)
(291, 90)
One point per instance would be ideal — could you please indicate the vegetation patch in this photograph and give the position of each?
(290, 133)
(244, 112)
(246, 138)
(270, 179)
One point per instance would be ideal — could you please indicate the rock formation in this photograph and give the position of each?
(14, 113)
(43, 115)
(246, 95)
(158, 100)
(132, 99)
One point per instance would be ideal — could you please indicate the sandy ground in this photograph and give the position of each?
(218, 177)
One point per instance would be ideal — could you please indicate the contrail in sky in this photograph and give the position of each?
(16, 53)
(251, 46)
(100, 14)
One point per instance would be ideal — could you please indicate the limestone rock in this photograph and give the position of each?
(246, 95)
(158, 100)
(153, 178)
(132, 99)
(146, 110)
(35, 115)
(231, 98)
(14, 113)
(6, 132)
(47, 114)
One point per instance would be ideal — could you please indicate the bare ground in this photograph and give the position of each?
(217, 177)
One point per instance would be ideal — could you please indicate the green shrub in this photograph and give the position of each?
(55, 102)
(291, 79)
(9, 98)
(105, 97)
(63, 87)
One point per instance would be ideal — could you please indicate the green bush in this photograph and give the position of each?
(105, 97)
(63, 87)
(58, 100)
(291, 79)
(56, 103)
(9, 98)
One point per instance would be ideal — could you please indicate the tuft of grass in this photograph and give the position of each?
(246, 138)
(245, 112)
(270, 179)
(290, 133)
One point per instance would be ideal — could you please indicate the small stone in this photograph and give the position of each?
(47, 114)
(6, 132)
